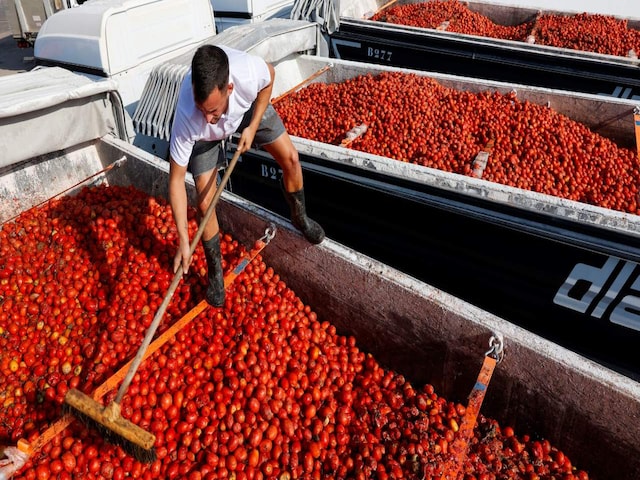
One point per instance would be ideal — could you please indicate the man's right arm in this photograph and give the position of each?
(178, 202)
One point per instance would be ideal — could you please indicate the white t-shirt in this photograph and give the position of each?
(248, 73)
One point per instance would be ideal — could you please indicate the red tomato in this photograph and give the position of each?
(56, 467)
(166, 400)
(91, 452)
(178, 398)
(43, 471)
(69, 461)
(94, 465)
(315, 449)
(253, 458)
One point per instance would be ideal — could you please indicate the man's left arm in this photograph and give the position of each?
(261, 103)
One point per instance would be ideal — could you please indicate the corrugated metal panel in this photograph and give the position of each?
(154, 115)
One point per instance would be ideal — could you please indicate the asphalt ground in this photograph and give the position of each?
(12, 58)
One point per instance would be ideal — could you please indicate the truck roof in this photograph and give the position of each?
(110, 37)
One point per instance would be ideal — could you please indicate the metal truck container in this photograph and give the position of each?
(413, 328)
(362, 39)
(555, 264)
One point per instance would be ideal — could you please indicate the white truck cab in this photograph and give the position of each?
(229, 13)
(26, 17)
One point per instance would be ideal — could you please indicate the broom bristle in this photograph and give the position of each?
(134, 440)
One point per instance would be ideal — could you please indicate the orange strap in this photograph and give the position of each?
(230, 277)
(305, 81)
(636, 121)
(111, 383)
(458, 448)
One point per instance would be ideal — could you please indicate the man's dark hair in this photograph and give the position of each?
(209, 70)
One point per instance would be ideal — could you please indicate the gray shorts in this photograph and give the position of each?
(207, 155)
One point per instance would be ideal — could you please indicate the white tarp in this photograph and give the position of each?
(45, 87)
(51, 109)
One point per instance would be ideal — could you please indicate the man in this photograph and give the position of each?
(227, 91)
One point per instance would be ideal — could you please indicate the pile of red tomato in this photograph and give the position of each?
(452, 16)
(589, 33)
(595, 33)
(258, 389)
(414, 119)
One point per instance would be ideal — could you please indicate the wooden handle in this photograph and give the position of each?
(174, 284)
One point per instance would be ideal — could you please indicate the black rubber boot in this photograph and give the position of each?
(311, 229)
(215, 292)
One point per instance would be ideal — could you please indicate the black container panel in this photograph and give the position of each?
(456, 55)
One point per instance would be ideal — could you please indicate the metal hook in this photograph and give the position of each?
(269, 233)
(496, 347)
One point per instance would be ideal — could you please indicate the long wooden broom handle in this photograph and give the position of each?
(174, 284)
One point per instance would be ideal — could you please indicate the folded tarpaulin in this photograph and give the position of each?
(50, 109)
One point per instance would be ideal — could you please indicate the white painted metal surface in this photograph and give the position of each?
(124, 39)
(231, 13)
(249, 7)
(112, 36)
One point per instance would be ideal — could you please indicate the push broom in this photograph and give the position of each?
(107, 420)
(18, 456)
